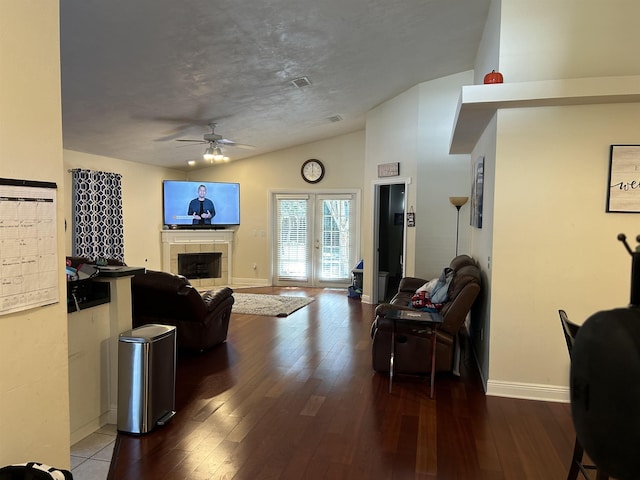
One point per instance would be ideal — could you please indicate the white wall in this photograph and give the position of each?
(440, 176)
(34, 401)
(90, 363)
(391, 136)
(488, 56)
(414, 128)
(141, 204)
(549, 39)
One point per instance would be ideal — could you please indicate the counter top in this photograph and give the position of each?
(112, 271)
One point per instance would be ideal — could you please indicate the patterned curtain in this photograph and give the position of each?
(97, 215)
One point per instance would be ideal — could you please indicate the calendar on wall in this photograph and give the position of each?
(28, 245)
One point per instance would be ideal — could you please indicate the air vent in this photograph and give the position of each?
(301, 82)
(335, 118)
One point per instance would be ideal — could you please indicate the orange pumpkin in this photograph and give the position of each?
(493, 77)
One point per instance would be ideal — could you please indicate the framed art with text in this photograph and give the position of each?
(624, 179)
(389, 169)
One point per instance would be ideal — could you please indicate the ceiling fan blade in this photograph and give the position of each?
(230, 143)
(192, 141)
(199, 118)
(174, 133)
(244, 146)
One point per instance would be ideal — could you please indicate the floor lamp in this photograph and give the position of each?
(458, 202)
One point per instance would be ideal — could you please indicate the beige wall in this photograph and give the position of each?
(482, 250)
(553, 245)
(142, 196)
(141, 200)
(34, 401)
(343, 158)
(547, 242)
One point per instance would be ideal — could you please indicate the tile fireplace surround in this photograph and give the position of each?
(175, 242)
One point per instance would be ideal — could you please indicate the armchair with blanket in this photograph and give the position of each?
(201, 320)
(413, 342)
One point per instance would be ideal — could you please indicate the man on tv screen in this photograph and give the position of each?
(201, 208)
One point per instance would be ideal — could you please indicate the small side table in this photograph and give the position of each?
(433, 320)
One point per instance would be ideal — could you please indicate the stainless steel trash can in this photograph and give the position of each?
(146, 377)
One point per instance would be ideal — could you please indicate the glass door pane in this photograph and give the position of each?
(315, 239)
(292, 238)
(335, 240)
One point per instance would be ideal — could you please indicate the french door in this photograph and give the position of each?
(315, 239)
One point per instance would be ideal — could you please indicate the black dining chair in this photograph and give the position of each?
(570, 331)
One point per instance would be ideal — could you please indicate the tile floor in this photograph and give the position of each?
(91, 456)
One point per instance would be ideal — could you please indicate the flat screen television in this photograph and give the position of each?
(187, 205)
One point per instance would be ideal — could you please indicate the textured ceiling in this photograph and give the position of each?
(139, 74)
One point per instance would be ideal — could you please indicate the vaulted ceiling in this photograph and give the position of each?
(139, 74)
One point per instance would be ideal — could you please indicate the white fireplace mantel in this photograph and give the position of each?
(197, 237)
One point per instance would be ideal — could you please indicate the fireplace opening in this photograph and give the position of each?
(200, 265)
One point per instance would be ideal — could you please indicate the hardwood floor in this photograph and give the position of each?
(296, 398)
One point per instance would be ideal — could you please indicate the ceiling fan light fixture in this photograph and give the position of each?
(217, 154)
(209, 154)
(191, 163)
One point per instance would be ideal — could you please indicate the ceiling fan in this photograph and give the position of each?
(216, 142)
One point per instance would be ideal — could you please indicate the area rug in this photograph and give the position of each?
(270, 305)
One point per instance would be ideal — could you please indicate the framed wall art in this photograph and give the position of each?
(624, 179)
(477, 191)
(389, 169)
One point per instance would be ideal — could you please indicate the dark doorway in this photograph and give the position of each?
(390, 239)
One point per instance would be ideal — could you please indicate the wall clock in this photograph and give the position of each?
(312, 171)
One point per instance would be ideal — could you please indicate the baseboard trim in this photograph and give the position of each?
(528, 391)
(250, 282)
(111, 417)
(85, 431)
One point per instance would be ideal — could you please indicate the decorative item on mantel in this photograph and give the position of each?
(458, 202)
(493, 77)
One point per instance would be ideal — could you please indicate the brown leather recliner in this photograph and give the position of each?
(413, 342)
(201, 320)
